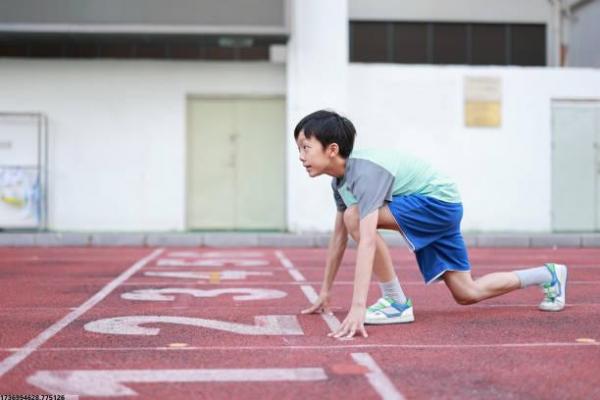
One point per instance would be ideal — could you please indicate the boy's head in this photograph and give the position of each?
(322, 137)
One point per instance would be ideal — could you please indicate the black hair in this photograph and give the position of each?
(328, 127)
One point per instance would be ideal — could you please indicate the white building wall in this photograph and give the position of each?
(317, 78)
(504, 174)
(118, 130)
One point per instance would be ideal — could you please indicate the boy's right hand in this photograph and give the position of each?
(321, 305)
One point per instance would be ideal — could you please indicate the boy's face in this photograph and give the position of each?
(313, 156)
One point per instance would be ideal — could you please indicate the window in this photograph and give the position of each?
(370, 42)
(528, 45)
(135, 46)
(410, 43)
(488, 44)
(448, 43)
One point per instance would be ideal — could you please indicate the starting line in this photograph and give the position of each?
(581, 342)
(241, 294)
(225, 275)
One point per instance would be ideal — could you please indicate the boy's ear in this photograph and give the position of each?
(333, 150)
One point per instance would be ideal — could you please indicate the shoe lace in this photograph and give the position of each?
(377, 306)
(550, 292)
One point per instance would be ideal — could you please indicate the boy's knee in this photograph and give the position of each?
(464, 290)
(466, 297)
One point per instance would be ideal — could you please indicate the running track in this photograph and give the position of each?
(204, 323)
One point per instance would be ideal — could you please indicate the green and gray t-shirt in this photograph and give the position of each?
(374, 176)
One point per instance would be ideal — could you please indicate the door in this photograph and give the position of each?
(576, 166)
(236, 163)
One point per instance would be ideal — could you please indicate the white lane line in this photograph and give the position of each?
(297, 275)
(331, 320)
(324, 348)
(532, 305)
(260, 283)
(165, 307)
(494, 267)
(512, 267)
(292, 270)
(13, 360)
(284, 260)
(377, 378)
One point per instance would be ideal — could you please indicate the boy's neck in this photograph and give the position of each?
(337, 168)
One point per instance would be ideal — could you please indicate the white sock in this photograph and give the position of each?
(534, 276)
(393, 290)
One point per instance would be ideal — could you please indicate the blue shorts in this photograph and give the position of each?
(432, 229)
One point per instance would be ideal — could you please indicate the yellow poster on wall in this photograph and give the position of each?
(483, 101)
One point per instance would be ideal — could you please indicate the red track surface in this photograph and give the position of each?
(53, 301)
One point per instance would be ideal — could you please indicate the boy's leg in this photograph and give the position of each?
(393, 307)
(553, 277)
(383, 267)
(468, 291)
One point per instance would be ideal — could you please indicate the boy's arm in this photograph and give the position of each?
(362, 277)
(335, 252)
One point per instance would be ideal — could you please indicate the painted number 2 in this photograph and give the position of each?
(132, 325)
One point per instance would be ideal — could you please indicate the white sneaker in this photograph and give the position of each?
(555, 292)
(387, 311)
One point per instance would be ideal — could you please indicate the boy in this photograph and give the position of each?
(390, 190)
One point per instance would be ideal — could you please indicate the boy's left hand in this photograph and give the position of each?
(353, 322)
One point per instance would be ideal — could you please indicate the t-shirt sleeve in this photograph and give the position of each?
(339, 203)
(372, 186)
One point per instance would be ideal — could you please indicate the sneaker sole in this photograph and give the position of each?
(395, 320)
(553, 307)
